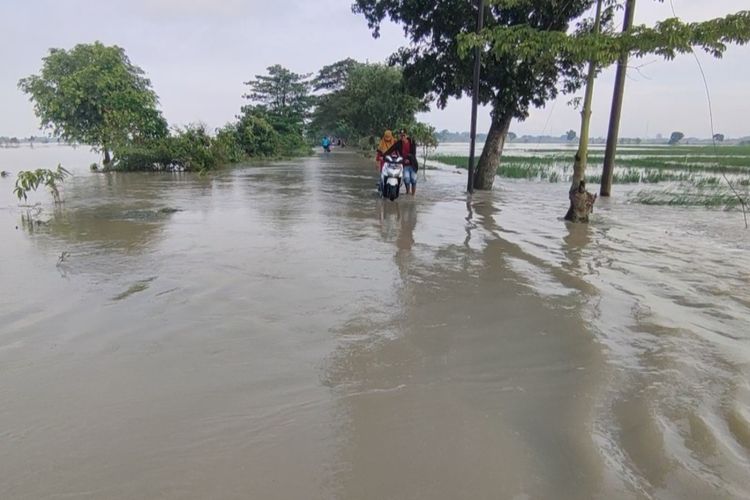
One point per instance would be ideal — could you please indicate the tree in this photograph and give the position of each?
(329, 82)
(675, 138)
(600, 48)
(94, 95)
(512, 136)
(719, 137)
(281, 93)
(426, 139)
(282, 99)
(256, 136)
(434, 65)
(570, 135)
(334, 76)
(373, 99)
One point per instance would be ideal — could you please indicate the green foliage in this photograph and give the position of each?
(30, 180)
(94, 95)
(282, 100)
(426, 138)
(256, 136)
(667, 38)
(190, 148)
(281, 93)
(227, 143)
(701, 196)
(373, 99)
(434, 66)
(334, 76)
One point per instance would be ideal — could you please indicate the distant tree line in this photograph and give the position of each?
(6, 141)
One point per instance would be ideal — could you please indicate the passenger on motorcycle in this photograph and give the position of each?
(407, 148)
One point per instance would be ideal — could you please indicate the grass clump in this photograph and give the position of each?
(700, 197)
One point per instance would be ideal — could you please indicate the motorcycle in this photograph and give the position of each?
(391, 176)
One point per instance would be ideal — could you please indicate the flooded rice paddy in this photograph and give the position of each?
(276, 331)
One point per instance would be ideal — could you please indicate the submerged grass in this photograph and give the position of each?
(730, 164)
(629, 171)
(701, 197)
(700, 177)
(685, 150)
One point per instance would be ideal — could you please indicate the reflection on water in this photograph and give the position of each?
(277, 331)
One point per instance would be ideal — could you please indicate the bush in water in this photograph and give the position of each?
(30, 180)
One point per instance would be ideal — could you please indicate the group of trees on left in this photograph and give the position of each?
(93, 94)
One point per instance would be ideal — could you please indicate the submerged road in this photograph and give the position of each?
(286, 334)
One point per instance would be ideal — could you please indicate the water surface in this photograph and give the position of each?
(275, 331)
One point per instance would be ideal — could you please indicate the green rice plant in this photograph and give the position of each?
(629, 176)
(519, 171)
(708, 197)
(708, 181)
(594, 179)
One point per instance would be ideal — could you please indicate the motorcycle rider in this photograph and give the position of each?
(385, 147)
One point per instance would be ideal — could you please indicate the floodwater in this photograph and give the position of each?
(277, 332)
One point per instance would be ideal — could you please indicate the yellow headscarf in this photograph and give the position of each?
(386, 142)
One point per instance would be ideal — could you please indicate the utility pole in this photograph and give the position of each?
(474, 101)
(616, 112)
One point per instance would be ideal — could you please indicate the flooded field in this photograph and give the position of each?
(276, 331)
(690, 175)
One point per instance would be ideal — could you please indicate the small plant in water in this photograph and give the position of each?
(30, 180)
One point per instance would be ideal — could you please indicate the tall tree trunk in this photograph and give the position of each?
(614, 116)
(581, 201)
(107, 158)
(493, 148)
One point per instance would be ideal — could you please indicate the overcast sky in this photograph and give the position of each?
(198, 52)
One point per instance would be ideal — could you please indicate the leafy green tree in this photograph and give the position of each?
(281, 98)
(599, 48)
(94, 95)
(426, 139)
(373, 99)
(281, 93)
(434, 65)
(570, 135)
(329, 82)
(675, 138)
(256, 136)
(719, 137)
(334, 76)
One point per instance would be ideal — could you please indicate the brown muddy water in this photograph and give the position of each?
(283, 334)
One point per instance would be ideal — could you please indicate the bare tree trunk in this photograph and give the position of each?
(493, 149)
(615, 113)
(107, 158)
(581, 201)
